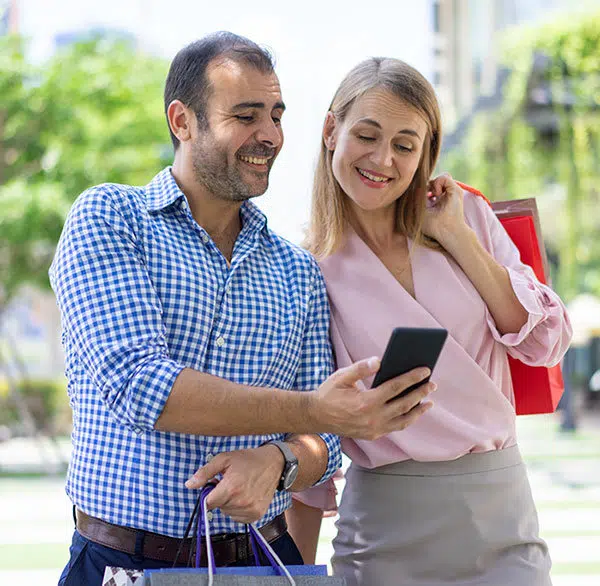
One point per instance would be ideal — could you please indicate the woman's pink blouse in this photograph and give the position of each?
(474, 405)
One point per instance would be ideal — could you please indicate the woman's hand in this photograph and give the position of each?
(444, 218)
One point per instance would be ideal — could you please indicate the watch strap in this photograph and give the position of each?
(289, 457)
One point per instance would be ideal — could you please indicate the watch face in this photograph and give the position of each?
(290, 476)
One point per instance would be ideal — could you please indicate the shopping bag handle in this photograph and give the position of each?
(473, 191)
(259, 543)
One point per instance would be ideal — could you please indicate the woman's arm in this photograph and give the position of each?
(308, 508)
(304, 525)
(524, 315)
(445, 222)
(490, 278)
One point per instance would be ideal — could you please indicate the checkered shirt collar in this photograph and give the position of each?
(163, 192)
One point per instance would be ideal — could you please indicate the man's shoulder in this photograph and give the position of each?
(114, 203)
(114, 195)
(292, 253)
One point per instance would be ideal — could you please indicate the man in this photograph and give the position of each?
(195, 337)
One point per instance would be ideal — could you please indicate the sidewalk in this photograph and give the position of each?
(36, 522)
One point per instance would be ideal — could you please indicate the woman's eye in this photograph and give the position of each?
(366, 138)
(403, 148)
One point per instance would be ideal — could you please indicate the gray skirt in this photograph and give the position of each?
(470, 521)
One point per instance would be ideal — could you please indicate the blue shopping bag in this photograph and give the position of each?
(277, 574)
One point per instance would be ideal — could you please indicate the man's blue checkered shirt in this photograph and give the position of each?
(144, 292)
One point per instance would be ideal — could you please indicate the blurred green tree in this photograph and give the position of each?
(93, 113)
(544, 141)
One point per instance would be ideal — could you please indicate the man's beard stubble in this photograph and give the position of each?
(222, 180)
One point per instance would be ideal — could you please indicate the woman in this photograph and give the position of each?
(447, 500)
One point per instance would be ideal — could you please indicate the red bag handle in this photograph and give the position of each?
(473, 191)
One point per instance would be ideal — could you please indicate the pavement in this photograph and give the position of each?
(564, 468)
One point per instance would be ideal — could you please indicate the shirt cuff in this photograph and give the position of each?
(334, 456)
(143, 400)
(534, 300)
(323, 496)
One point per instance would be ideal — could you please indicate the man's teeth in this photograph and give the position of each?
(254, 160)
(372, 177)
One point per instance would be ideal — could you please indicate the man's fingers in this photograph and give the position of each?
(407, 402)
(218, 497)
(362, 369)
(235, 504)
(216, 466)
(243, 516)
(411, 401)
(403, 421)
(392, 388)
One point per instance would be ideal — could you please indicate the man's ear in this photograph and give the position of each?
(329, 131)
(181, 120)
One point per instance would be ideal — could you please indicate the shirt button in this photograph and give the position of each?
(220, 341)
(209, 516)
(228, 288)
(209, 457)
(204, 238)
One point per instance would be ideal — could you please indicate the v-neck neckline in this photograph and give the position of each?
(353, 235)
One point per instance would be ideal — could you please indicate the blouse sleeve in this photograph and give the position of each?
(322, 496)
(545, 337)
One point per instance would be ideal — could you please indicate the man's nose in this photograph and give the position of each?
(270, 134)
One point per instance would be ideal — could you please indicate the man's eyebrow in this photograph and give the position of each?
(247, 105)
(376, 124)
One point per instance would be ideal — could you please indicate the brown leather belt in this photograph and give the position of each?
(228, 548)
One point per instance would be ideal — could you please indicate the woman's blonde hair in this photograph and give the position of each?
(329, 210)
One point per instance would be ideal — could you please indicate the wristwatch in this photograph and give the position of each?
(290, 469)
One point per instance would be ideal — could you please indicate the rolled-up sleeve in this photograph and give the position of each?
(545, 337)
(316, 362)
(322, 496)
(110, 310)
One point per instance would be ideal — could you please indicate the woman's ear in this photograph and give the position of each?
(329, 128)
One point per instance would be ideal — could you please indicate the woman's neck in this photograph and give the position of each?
(377, 228)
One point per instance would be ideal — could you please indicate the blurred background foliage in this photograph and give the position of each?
(43, 407)
(94, 113)
(544, 141)
(91, 114)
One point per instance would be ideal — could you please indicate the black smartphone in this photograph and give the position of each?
(410, 348)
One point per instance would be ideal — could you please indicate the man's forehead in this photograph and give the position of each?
(233, 82)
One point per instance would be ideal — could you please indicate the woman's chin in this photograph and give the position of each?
(369, 205)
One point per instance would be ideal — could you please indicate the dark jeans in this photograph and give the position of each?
(88, 560)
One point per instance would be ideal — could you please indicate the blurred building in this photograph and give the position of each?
(8, 17)
(30, 337)
(466, 71)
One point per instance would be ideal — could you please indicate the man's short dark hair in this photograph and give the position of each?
(187, 81)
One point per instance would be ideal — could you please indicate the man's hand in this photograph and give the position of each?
(248, 481)
(370, 414)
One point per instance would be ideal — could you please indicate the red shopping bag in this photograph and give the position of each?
(537, 389)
